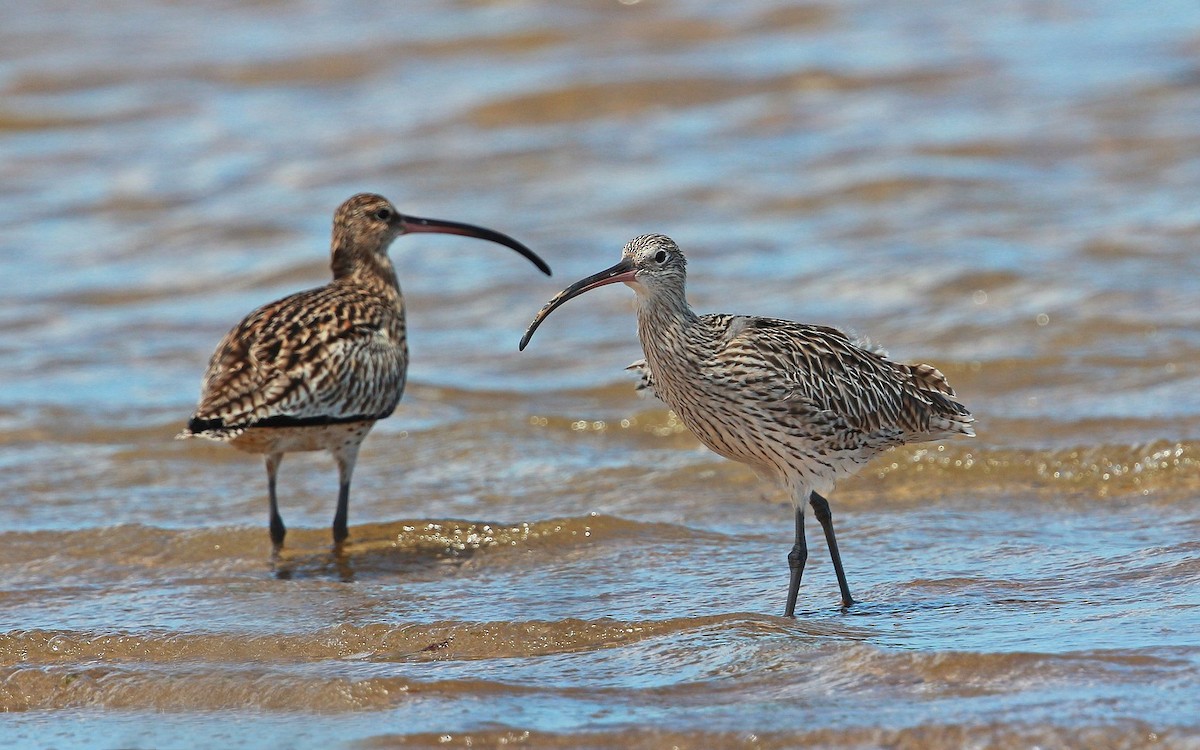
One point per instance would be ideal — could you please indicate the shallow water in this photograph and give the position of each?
(538, 556)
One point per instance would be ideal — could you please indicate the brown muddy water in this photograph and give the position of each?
(1009, 190)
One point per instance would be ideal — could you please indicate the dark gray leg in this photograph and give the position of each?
(796, 559)
(346, 456)
(340, 530)
(821, 510)
(278, 530)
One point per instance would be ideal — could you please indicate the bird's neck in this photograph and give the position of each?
(663, 318)
(365, 268)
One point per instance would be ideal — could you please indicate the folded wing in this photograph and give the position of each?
(317, 357)
(815, 371)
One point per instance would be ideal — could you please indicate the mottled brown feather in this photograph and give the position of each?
(816, 368)
(804, 403)
(333, 354)
(337, 352)
(315, 370)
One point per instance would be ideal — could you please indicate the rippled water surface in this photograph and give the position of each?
(538, 556)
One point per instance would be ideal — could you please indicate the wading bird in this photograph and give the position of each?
(804, 404)
(316, 370)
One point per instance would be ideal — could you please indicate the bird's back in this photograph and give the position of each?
(333, 354)
(824, 368)
(773, 393)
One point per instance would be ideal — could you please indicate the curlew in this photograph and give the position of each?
(315, 370)
(803, 404)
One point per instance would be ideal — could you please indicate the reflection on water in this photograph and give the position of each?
(537, 555)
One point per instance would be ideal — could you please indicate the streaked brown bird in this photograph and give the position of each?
(803, 404)
(316, 370)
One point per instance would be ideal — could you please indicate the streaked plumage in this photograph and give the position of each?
(316, 369)
(802, 403)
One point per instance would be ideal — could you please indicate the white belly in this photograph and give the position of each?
(308, 438)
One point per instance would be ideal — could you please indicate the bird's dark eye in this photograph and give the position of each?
(660, 256)
(384, 214)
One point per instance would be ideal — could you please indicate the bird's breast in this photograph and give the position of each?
(709, 404)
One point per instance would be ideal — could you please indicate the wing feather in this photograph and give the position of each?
(819, 372)
(325, 354)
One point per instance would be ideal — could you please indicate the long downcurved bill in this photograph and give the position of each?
(623, 271)
(414, 224)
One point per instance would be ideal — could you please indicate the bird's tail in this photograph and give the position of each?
(950, 416)
(209, 429)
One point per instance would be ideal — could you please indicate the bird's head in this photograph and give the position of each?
(367, 221)
(365, 225)
(652, 264)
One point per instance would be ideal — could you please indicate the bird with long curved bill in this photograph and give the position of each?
(315, 370)
(804, 404)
